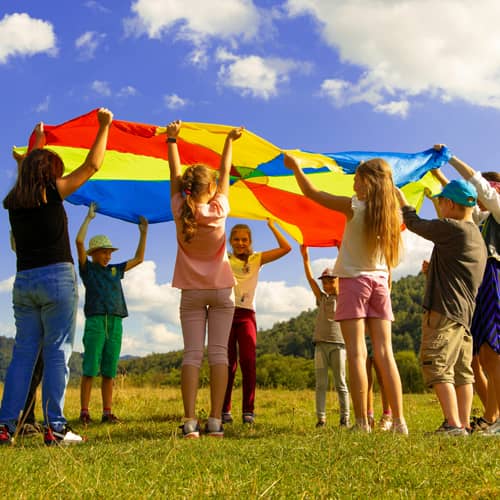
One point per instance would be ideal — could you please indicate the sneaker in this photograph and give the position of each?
(227, 418)
(65, 436)
(248, 418)
(493, 430)
(85, 418)
(109, 418)
(450, 430)
(190, 430)
(5, 435)
(385, 422)
(480, 424)
(219, 433)
(31, 429)
(399, 428)
(320, 423)
(344, 421)
(361, 428)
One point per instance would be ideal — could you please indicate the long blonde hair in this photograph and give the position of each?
(195, 182)
(382, 216)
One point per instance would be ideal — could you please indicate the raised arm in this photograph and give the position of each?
(283, 248)
(338, 203)
(174, 161)
(37, 144)
(226, 160)
(141, 246)
(82, 234)
(307, 269)
(71, 182)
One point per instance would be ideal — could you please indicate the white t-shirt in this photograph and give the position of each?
(247, 275)
(354, 259)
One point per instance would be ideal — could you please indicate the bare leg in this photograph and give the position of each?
(386, 407)
(490, 361)
(85, 390)
(189, 387)
(218, 384)
(353, 331)
(481, 382)
(464, 403)
(380, 332)
(107, 392)
(447, 397)
(369, 393)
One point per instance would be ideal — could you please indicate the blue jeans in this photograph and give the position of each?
(45, 302)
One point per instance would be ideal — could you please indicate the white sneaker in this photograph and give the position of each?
(64, 436)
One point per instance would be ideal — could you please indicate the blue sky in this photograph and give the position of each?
(321, 75)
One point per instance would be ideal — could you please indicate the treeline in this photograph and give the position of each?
(284, 352)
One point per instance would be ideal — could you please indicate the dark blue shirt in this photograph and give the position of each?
(103, 289)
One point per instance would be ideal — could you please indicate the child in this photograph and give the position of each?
(246, 264)
(453, 278)
(370, 247)
(485, 326)
(202, 271)
(104, 309)
(329, 347)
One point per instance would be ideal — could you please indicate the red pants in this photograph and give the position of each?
(243, 333)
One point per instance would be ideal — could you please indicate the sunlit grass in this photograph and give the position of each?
(283, 455)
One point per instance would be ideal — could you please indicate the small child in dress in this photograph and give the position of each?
(104, 309)
(329, 347)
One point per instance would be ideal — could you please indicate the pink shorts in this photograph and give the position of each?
(364, 297)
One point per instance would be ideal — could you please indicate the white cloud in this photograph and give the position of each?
(92, 4)
(276, 301)
(173, 101)
(154, 338)
(254, 75)
(400, 108)
(88, 43)
(447, 49)
(22, 35)
(416, 250)
(127, 91)
(6, 285)
(344, 93)
(43, 106)
(198, 57)
(159, 302)
(195, 20)
(101, 87)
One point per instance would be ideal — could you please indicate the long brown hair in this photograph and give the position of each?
(382, 216)
(195, 182)
(38, 170)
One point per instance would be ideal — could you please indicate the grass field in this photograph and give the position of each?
(282, 456)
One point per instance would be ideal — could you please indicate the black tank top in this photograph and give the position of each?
(41, 233)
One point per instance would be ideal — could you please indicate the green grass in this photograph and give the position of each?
(281, 456)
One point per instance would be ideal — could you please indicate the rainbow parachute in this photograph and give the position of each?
(134, 178)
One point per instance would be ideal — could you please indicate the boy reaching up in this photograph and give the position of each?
(104, 309)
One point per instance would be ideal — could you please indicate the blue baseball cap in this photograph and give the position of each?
(459, 191)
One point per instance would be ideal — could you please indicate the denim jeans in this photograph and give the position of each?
(45, 302)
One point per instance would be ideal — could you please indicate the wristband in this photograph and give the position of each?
(172, 139)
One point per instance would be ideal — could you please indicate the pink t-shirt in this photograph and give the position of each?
(202, 264)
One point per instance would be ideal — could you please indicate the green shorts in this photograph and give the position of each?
(102, 342)
(446, 351)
